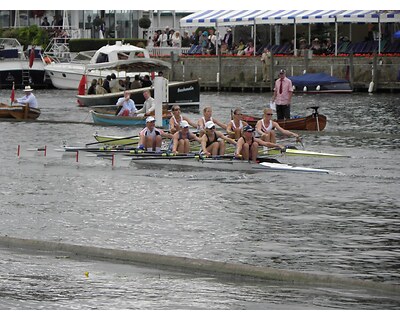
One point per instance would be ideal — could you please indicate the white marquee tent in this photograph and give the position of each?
(216, 18)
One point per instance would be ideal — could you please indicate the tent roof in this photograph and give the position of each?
(249, 17)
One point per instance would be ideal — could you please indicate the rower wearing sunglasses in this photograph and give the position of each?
(265, 128)
(213, 142)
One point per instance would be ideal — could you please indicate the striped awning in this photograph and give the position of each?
(249, 17)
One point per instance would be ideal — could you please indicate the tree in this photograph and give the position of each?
(144, 23)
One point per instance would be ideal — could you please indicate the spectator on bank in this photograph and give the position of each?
(228, 40)
(176, 40)
(249, 50)
(212, 42)
(45, 23)
(162, 39)
(186, 41)
(203, 41)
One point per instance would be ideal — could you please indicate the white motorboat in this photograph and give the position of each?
(15, 66)
(119, 59)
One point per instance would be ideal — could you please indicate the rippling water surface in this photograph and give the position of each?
(344, 224)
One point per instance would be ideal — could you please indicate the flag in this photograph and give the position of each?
(82, 87)
(31, 57)
(12, 97)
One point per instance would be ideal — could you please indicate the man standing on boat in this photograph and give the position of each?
(283, 92)
(29, 98)
(126, 106)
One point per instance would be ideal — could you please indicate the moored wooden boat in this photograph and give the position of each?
(312, 122)
(105, 115)
(18, 112)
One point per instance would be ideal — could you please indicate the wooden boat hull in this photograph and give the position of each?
(18, 112)
(313, 122)
(106, 116)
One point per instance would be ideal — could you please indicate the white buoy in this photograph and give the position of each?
(371, 87)
(305, 89)
(304, 71)
(318, 87)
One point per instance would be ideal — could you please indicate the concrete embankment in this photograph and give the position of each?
(240, 73)
(189, 265)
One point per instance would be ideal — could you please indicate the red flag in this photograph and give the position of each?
(31, 57)
(82, 87)
(12, 97)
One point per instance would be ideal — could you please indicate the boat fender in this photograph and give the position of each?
(305, 88)
(47, 60)
(294, 88)
(371, 87)
(318, 87)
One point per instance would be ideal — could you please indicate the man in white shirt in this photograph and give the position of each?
(148, 105)
(29, 98)
(126, 106)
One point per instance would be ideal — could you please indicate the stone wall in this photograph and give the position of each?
(246, 72)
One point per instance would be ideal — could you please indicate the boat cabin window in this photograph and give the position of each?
(102, 58)
(123, 56)
(139, 54)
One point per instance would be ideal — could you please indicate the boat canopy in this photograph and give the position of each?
(133, 65)
(314, 79)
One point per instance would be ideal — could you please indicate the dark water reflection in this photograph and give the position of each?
(344, 224)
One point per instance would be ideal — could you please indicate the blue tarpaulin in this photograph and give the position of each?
(314, 79)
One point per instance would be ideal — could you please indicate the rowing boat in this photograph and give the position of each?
(219, 163)
(312, 122)
(105, 115)
(18, 112)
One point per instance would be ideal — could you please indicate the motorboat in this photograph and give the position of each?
(121, 59)
(20, 69)
(184, 93)
(320, 83)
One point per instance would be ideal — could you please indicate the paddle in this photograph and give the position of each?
(111, 140)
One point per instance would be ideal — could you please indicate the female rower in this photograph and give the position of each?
(182, 138)
(212, 141)
(235, 126)
(177, 118)
(207, 116)
(150, 138)
(247, 145)
(265, 127)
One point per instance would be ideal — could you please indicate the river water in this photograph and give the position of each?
(345, 224)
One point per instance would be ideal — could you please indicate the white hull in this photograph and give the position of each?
(223, 164)
(67, 76)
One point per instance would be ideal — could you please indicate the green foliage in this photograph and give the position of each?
(28, 35)
(144, 23)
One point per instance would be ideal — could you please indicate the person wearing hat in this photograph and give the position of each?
(177, 118)
(182, 138)
(213, 142)
(126, 106)
(228, 39)
(247, 145)
(150, 138)
(282, 96)
(28, 99)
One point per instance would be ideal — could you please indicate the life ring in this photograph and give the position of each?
(47, 60)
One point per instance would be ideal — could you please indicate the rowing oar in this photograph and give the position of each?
(111, 140)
